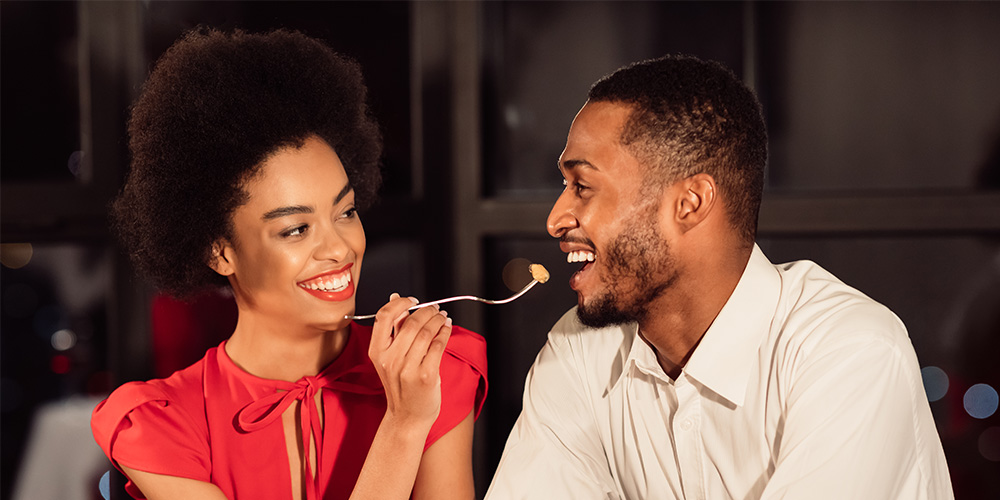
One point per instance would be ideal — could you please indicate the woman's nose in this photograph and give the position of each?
(561, 219)
(331, 245)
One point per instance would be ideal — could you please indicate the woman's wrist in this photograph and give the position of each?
(406, 429)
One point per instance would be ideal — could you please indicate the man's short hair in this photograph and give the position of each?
(691, 116)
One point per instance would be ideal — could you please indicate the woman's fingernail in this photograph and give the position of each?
(444, 313)
(414, 300)
(447, 321)
(393, 296)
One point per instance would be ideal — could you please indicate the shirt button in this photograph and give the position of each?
(686, 424)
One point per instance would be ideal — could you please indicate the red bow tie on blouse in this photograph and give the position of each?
(267, 409)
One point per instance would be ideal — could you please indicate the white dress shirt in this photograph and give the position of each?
(803, 387)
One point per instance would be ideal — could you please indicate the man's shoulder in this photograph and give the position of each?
(816, 305)
(595, 354)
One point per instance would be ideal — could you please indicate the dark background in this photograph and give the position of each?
(885, 137)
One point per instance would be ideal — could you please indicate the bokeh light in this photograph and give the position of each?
(15, 255)
(989, 444)
(981, 401)
(63, 340)
(104, 485)
(60, 364)
(935, 382)
(516, 273)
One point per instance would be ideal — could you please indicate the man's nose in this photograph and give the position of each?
(561, 218)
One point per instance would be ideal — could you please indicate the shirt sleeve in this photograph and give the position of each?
(463, 382)
(857, 425)
(140, 428)
(554, 449)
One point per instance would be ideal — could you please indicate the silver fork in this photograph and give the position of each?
(538, 272)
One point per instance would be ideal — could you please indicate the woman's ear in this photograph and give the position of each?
(221, 260)
(696, 201)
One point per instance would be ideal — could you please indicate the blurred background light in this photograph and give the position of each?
(104, 486)
(63, 340)
(935, 382)
(989, 444)
(981, 401)
(15, 255)
(60, 364)
(516, 273)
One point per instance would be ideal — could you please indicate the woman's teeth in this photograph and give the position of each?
(335, 284)
(580, 256)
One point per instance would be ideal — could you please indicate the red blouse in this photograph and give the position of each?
(216, 423)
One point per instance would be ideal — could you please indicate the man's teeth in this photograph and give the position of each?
(335, 284)
(580, 256)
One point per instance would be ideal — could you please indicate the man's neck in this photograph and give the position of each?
(678, 319)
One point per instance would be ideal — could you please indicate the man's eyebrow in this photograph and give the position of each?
(572, 164)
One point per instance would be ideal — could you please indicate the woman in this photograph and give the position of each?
(251, 154)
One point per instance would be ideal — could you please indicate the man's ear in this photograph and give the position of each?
(221, 260)
(698, 196)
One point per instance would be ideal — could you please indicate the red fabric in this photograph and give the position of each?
(216, 423)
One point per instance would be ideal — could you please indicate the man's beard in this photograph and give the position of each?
(639, 269)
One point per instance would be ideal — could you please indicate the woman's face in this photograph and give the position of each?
(298, 243)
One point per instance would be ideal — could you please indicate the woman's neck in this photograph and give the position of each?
(275, 351)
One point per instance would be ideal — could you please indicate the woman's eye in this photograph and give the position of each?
(350, 213)
(295, 231)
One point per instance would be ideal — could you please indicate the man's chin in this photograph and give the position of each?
(601, 314)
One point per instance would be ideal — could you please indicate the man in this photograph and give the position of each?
(692, 367)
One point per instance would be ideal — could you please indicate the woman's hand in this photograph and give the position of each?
(406, 350)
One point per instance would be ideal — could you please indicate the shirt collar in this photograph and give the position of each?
(726, 354)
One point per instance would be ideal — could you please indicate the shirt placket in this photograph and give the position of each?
(687, 435)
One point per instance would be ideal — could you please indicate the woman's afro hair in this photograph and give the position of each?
(214, 108)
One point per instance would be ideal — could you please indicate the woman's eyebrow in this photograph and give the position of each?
(278, 213)
(343, 192)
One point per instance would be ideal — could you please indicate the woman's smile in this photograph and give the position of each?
(333, 286)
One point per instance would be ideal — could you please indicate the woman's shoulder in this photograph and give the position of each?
(175, 399)
(468, 347)
(182, 387)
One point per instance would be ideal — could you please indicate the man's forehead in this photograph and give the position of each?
(594, 136)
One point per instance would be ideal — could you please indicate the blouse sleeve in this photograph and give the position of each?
(139, 427)
(463, 381)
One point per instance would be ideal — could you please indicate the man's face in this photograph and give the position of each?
(606, 220)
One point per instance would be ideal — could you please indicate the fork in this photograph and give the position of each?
(538, 273)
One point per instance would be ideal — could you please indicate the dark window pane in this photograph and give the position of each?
(39, 91)
(542, 57)
(880, 95)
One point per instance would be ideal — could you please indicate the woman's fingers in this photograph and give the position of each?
(437, 346)
(424, 337)
(415, 328)
(387, 319)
